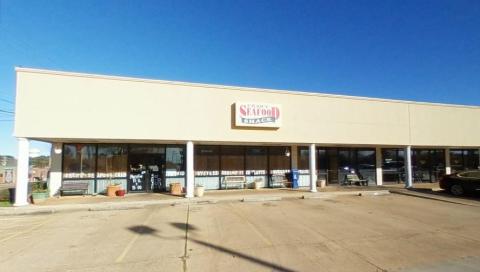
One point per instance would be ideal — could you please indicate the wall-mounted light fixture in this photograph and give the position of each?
(57, 148)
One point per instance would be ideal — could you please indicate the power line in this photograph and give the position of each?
(7, 111)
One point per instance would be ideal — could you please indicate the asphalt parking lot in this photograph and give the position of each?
(347, 233)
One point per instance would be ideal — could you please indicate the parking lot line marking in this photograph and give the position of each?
(133, 240)
(26, 231)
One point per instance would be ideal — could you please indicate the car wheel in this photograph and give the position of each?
(457, 190)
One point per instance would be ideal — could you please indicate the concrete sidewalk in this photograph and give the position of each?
(438, 195)
(139, 201)
(142, 200)
(432, 191)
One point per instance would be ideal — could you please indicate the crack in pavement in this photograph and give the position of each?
(185, 249)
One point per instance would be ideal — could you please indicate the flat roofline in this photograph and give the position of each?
(240, 143)
(218, 86)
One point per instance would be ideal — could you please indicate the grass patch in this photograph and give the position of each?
(4, 198)
(5, 203)
(4, 194)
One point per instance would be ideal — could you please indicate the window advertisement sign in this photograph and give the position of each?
(8, 175)
(258, 115)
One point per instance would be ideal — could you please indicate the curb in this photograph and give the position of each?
(109, 206)
(326, 195)
(419, 195)
(375, 193)
(261, 199)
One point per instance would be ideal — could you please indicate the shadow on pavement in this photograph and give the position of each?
(246, 257)
(184, 226)
(146, 230)
(142, 230)
(270, 265)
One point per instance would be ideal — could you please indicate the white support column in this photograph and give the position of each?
(55, 179)
(190, 170)
(21, 188)
(448, 166)
(378, 162)
(294, 156)
(313, 171)
(408, 167)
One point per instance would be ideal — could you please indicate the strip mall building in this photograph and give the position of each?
(146, 134)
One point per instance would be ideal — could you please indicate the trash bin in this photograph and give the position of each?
(294, 178)
(11, 197)
(11, 193)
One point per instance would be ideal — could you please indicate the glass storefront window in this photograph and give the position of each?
(323, 164)
(456, 160)
(175, 163)
(79, 161)
(331, 161)
(112, 161)
(359, 161)
(393, 165)
(207, 160)
(147, 149)
(476, 159)
(428, 164)
(322, 160)
(366, 164)
(279, 160)
(256, 160)
(345, 164)
(345, 159)
(464, 159)
(232, 160)
(303, 160)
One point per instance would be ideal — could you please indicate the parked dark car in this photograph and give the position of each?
(461, 182)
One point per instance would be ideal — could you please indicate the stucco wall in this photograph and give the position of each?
(53, 105)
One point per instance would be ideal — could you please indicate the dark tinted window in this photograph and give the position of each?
(79, 160)
(256, 160)
(303, 158)
(464, 159)
(175, 161)
(207, 160)
(232, 160)
(279, 159)
(392, 164)
(112, 161)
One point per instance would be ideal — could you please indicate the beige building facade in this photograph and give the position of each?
(104, 122)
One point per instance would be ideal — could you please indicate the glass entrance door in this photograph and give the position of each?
(146, 168)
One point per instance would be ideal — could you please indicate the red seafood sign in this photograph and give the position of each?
(258, 115)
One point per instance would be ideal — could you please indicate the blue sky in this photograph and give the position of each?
(415, 50)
